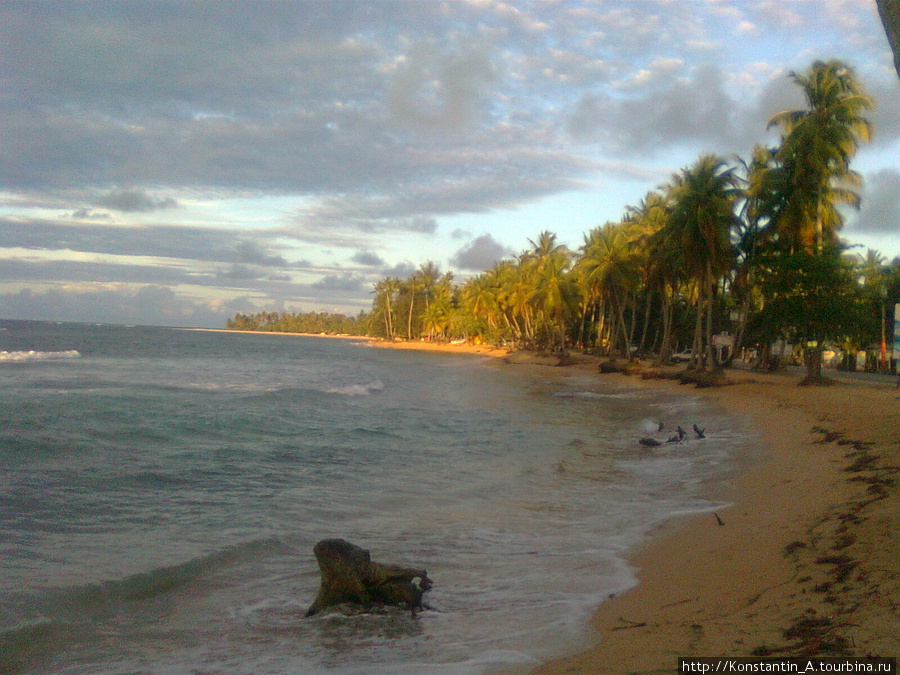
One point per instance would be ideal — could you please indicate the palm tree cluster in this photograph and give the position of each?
(750, 248)
(302, 322)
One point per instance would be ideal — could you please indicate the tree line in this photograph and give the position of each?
(303, 322)
(748, 248)
(744, 247)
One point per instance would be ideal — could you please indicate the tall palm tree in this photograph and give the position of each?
(607, 268)
(385, 290)
(555, 294)
(646, 219)
(413, 285)
(873, 271)
(817, 145)
(479, 296)
(699, 225)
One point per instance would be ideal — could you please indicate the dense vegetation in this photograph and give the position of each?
(304, 322)
(748, 248)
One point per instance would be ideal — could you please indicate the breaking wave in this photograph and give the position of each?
(358, 389)
(32, 355)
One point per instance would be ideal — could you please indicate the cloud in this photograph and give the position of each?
(402, 270)
(342, 284)
(124, 126)
(480, 254)
(150, 305)
(367, 258)
(163, 241)
(695, 112)
(76, 271)
(510, 169)
(775, 13)
(880, 210)
(240, 273)
(438, 89)
(131, 201)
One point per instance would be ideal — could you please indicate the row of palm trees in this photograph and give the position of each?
(715, 248)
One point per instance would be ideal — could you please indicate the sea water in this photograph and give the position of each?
(161, 491)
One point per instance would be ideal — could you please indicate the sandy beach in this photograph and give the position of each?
(805, 562)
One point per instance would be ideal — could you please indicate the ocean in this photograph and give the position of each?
(161, 491)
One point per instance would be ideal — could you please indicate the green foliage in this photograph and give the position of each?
(308, 322)
(810, 297)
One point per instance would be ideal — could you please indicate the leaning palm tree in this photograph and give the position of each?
(817, 145)
(700, 224)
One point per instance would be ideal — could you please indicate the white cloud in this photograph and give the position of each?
(776, 13)
(747, 28)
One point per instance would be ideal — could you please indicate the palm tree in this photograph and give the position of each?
(873, 273)
(608, 270)
(648, 218)
(478, 295)
(384, 299)
(413, 285)
(699, 225)
(816, 148)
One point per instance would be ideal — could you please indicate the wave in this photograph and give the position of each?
(358, 389)
(164, 579)
(55, 621)
(32, 355)
(27, 645)
(595, 395)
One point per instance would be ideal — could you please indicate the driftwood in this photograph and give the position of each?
(349, 575)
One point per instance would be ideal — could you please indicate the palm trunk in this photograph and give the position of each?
(710, 302)
(633, 303)
(647, 306)
(697, 348)
(668, 315)
(710, 347)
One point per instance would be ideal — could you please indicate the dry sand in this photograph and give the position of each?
(806, 562)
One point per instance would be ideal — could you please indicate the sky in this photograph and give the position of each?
(175, 163)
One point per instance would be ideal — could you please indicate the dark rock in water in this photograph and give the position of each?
(649, 442)
(349, 575)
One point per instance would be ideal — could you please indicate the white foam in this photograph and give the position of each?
(358, 389)
(32, 355)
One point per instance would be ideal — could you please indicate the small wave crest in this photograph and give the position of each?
(358, 389)
(146, 585)
(32, 355)
(48, 625)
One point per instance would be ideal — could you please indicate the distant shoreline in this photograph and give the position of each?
(274, 332)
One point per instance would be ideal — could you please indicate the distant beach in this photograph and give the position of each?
(274, 332)
(806, 562)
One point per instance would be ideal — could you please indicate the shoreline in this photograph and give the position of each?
(806, 560)
(276, 332)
